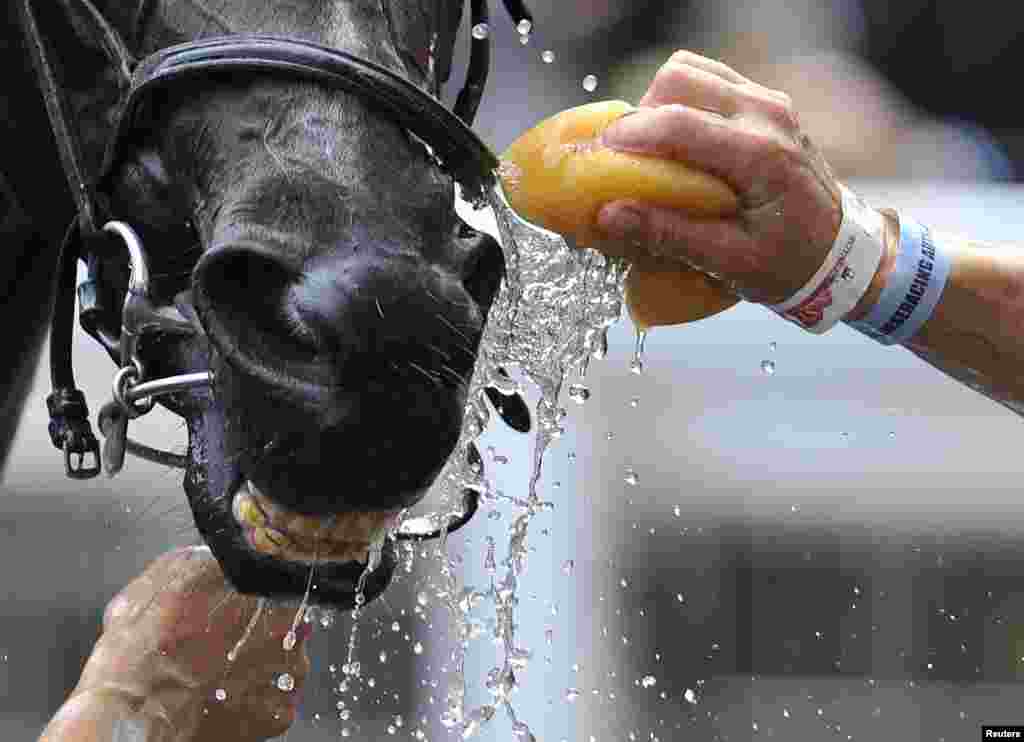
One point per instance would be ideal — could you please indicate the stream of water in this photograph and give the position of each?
(550, 318)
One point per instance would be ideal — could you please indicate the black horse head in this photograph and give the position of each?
(303, 247)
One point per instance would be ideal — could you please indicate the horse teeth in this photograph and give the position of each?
(269, 540)
(247, 511)
(280, 532)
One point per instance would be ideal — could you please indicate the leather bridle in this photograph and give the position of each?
(452, 142)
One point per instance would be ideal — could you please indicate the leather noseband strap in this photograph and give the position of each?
(459, 150)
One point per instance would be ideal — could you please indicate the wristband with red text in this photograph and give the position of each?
(843, 279)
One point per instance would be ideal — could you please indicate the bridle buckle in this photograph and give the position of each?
(91, 446)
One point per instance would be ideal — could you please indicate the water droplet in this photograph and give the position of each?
(634, 402)
(690, 696)
(547, 56)
(772, 346)
(680, 598)
(417, 648)
(285, 682)
(785, 712)
(631, 478)
(524, 39)
(795, 507)
(649, 681)
(383, 656)
(892, 434)
(395, 626)
(677, 511)
(524, 26)
(590, 83)
(571, 694)
(768, 367)
(578, 393)
(568, 567)
(481, 31)
(220, 694)
(623, 582)
(636, 366)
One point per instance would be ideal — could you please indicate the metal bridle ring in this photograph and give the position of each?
(124, 380)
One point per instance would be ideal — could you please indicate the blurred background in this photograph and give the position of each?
(823, 539)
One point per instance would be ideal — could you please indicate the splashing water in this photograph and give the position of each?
(260, 605)
(551, 316)
(291, 637)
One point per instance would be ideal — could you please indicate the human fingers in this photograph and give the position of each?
(702, 86)
(260, 691)
(254, 715)
(717, 246)
(748, 154)
(712, 66)
(677, 82)
(661, 89)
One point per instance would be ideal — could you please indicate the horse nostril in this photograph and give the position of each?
(484, 267)
(241, 294)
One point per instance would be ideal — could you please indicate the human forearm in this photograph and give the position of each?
(106, 716)
(974, 334)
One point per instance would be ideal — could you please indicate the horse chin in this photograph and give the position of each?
(265, 549)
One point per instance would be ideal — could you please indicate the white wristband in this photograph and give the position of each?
(844, 277)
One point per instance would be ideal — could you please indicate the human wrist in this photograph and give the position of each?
(913, 286)
(146, 679)
(105, 713)
(847, 272)
(890, 245)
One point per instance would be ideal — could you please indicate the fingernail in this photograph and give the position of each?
(625, 132)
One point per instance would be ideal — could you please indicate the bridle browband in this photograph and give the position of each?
(452, 142)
